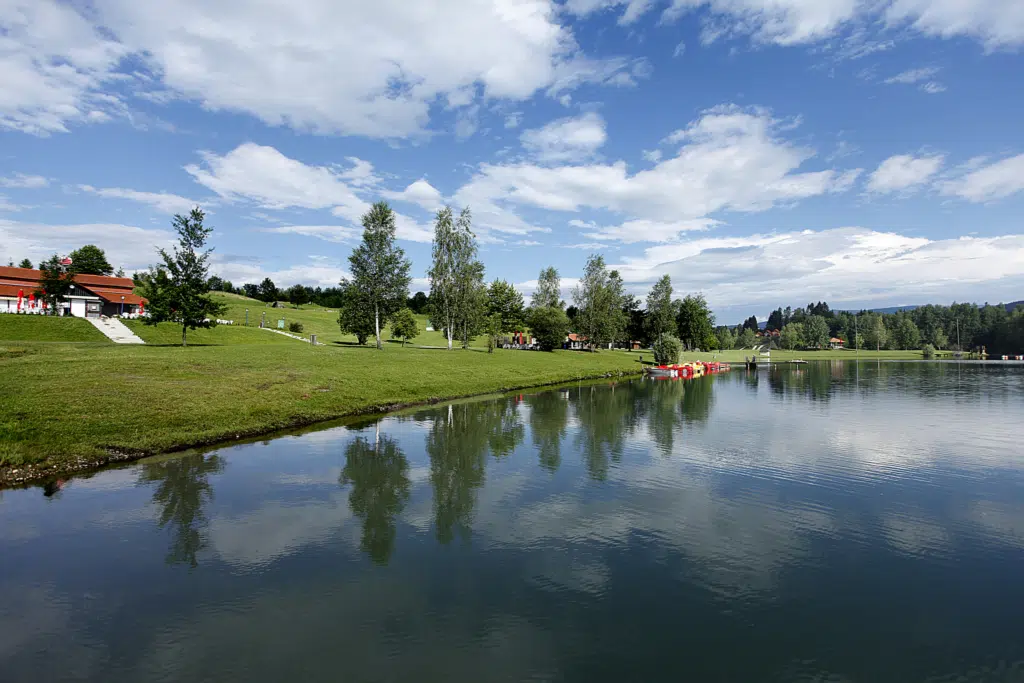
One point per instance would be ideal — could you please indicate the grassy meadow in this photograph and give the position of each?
(71, 400)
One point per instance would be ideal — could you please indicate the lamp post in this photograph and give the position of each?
(70, 294)
(122, 306)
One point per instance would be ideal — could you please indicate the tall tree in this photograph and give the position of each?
(792, 336)
(418, 303)
(91, 260)
(455, 274)
(776, 320)
(549, 325)
(636, 321)
(816, 331)
(549, 290)
(25, 263)
(55, 284)
(380, 271)
(751, 324)
(268, 290)
(355, 316)
(695, 322)
(598, 298)
(661, 315)
(505, 301)
(905, 334)
(726, 338)
(176, 289)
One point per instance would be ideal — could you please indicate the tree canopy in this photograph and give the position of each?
(177, 289)
(661, 312)
(90, 260)
(695, 323)
(380, 271)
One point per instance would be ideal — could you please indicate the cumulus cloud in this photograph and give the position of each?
(286, 64)
(421, 193)
(904, 172)
(573, 138)
(843, 265)
(987, 182)
(127, 246)
(728, 159)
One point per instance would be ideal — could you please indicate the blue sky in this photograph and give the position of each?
(763, 152)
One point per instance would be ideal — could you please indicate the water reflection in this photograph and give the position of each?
(378, 473)
(799, 515)
(182, 490)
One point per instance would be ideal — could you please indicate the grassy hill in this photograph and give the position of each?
(40, 328)
(322, 322)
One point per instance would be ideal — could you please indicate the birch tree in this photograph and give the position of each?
(456, 277)
(549, 287)
(380, 271)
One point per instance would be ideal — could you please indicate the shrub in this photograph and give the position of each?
(928, 350)
(295, 326)
(667, 349)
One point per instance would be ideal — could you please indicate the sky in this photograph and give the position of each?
(762, 152)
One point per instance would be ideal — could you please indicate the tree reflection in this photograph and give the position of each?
(379, 475)
(182, 489)
(460, 438)
(549, 414)
(605, 415)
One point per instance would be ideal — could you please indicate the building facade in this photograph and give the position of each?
(91, 296)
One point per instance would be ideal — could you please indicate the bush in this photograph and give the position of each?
(295, 326)
(667, 349)
(549, 326)
(928, 350)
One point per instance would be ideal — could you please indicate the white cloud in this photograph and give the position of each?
(566, 139)
(126, 246)
(843, 265)
(7, 205)
(729, 159)
(330, 233)
(23, 181)
(421, 193)
(913, 76)
(925, 77)
(161, 201)
(996, 23)
(652, 155)
(988, 182)
(286, 63)
(904, 172)
(513, 120)
(680, 50)
(53, 66)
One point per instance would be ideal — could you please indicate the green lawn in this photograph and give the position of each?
(169, 334)
(76, 406)
(45, 328)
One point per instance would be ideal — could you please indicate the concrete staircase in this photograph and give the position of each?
(115, 330)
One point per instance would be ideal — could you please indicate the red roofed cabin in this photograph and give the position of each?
(836, 343)
(91, 296)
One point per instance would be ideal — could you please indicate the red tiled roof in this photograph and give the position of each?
(9, 275)
(114, 296)
(108, 288)
(836, 340)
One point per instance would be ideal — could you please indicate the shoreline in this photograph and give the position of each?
(31, 474)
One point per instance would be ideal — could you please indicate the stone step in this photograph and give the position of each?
(115, 331)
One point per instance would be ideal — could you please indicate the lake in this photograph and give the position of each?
(833, 522)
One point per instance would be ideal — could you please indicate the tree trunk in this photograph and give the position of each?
(376, 325)
(184, 329)
(449, 331)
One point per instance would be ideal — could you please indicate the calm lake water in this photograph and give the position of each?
(832, 522)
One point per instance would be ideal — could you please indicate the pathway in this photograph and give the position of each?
(115, 330)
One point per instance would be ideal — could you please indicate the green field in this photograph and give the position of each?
(315, 320)
(77, 406)
(42, 328)
(72, 406)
